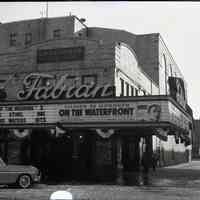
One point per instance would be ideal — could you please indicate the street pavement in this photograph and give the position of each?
(179, 182)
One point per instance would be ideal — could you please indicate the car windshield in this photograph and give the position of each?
(2, 163)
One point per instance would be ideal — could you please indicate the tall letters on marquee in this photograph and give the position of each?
(34, 90)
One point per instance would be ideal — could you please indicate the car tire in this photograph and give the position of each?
(24, 181)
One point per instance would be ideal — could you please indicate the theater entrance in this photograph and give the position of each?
(63, 158)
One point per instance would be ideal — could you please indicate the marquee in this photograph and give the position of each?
(113, 110)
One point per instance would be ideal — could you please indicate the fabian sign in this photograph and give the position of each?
(34, 90)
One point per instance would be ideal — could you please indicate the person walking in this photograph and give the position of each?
(155, 159)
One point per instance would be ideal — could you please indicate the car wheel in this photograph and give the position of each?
(24, 181)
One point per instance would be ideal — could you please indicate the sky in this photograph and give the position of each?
(177, 22)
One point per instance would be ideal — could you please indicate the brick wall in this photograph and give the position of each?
(147, 54)
(98, 60)
(112, 35)
(41, 30)
(145, 47)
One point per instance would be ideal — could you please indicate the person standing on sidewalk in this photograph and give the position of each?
(145, 162)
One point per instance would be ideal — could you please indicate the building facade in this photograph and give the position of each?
(84, 103)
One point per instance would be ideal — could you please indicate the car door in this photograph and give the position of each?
(6, 175)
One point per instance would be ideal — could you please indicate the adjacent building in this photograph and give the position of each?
(196, 139)
(85, 103)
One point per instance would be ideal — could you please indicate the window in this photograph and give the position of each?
(73, 80)
(56, 33)
(28, 38)
(171, 73)
(89, 79)
(127, 58)
(132, 91)
(136, 92)
(13, 39)
(164, 63)
(122, 87)
(127, 89)
(45, 82)
(2, 83)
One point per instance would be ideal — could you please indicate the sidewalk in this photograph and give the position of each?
(169, 183)
(186, 174)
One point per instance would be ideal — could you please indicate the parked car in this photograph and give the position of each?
(21, 175)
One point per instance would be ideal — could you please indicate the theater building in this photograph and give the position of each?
(84, 103)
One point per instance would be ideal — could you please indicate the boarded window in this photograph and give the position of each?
(28, 38)
(122, 87)
(89, 79)
(56, 33)
(127, 89)
(136, 92)
(13, 39)
(60, 54)
(132, 91)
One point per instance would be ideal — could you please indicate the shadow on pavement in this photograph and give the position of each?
(187, 175)
(164, 177)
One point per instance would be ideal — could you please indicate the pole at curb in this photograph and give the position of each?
(119, 178)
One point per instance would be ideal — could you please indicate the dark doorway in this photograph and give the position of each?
(64, 158)
(82, 156)
(52, 155)
(131, 154)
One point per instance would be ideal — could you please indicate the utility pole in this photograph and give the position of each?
(47, 9)
(41, 13)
